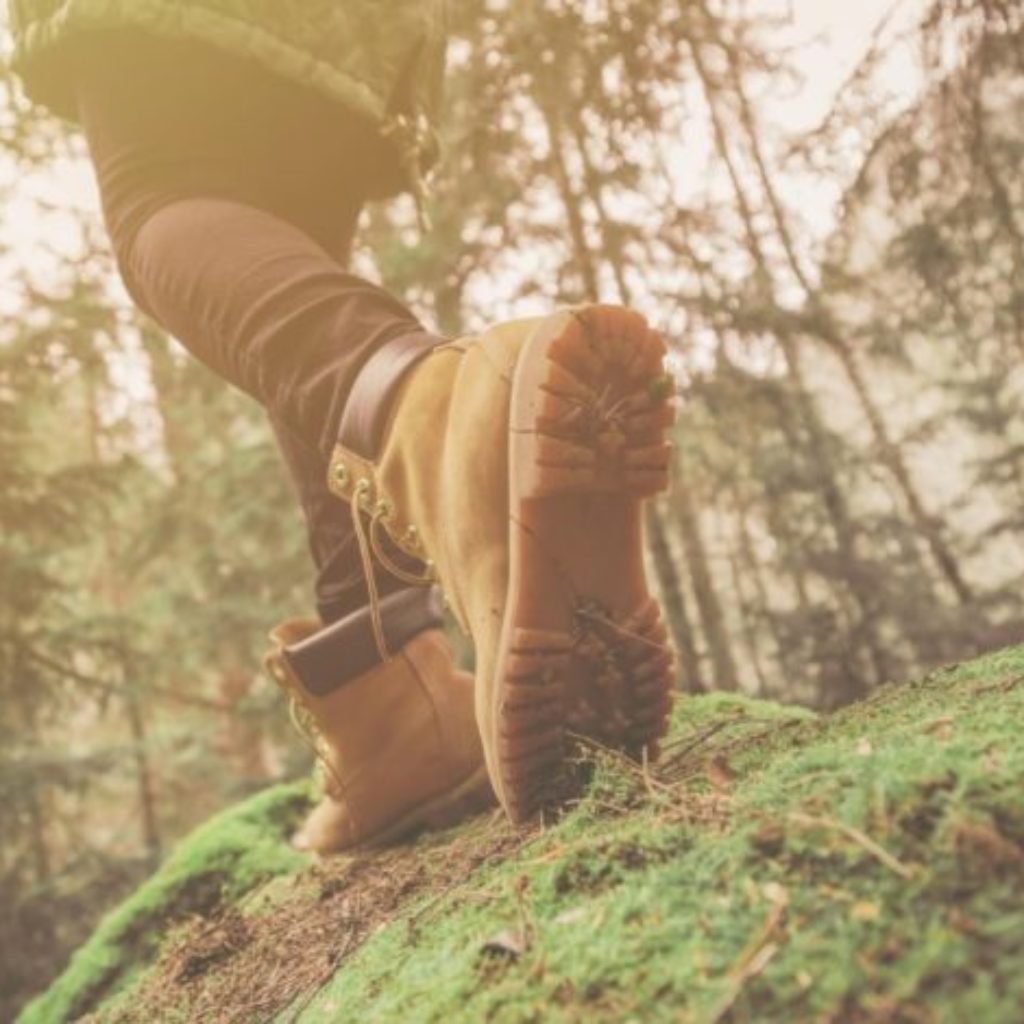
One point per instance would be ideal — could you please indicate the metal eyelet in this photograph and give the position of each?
(363, 493)
(341, 474)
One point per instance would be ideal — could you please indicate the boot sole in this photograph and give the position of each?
(471, 796)
(583, 648)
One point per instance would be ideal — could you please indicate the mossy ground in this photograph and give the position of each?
(220, 862)
(776, 866)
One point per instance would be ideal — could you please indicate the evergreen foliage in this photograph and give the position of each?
(850, 451)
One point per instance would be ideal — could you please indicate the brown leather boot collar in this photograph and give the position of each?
(325, 661)
(366, 411)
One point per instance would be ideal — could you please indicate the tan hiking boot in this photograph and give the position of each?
(516, 464)
(397, 740)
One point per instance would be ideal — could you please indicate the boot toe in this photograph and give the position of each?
(327, 829)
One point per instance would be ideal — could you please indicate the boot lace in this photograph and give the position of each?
(371, 547)
(302, 721)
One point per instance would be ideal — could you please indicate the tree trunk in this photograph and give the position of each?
(831, 494)
(571, 202)
(710, 608)
(112, 586)
(747, 624)
(673, 599)
(143, 780)
(892, 457)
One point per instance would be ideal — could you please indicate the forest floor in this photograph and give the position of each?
(775, 866)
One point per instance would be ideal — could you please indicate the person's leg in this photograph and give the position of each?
(518, 462)
(264, 307)
(267, 309)
(232, 231)
(231, 199)
(340, 586)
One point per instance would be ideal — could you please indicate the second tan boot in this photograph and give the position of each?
(397, 738)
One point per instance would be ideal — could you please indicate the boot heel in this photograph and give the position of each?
(531, 737)
(583, 648)
(632, 668)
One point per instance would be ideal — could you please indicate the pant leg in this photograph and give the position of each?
(231, 199)
(268, 310)
(340, 584)
(264, 307)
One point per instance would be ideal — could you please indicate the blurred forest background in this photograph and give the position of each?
(848, 505)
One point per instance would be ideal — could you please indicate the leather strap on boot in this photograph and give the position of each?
(331, 657)
(366, 411)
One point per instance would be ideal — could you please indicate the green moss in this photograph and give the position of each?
(220, 862)
(837, 881)
(776, 866)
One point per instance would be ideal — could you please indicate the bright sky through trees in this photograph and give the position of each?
(828, 36)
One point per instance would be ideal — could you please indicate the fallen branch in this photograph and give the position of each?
(865, 841)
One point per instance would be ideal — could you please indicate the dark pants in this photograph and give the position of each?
(231, 198)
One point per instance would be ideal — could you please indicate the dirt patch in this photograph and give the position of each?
(245, 966)
(605, 865)
(200, 895)
(230, 963)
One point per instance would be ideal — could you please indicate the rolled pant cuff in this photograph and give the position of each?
(347, 649)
